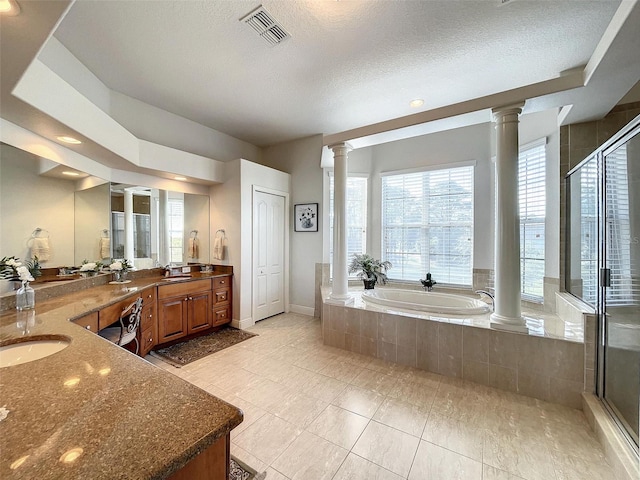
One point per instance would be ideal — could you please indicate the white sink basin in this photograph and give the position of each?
(25, 352)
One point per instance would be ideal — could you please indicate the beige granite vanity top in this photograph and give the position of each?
(124, 416)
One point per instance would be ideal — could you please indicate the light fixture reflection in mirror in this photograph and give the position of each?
(72, 382)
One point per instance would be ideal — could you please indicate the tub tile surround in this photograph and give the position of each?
(387, 421)
(548, 364)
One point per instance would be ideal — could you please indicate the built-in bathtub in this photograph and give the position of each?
(548, 363)
(433, 302)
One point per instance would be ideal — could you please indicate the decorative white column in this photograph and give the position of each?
(340, 286)
(164, 254)
(129, 252)
(507, 314)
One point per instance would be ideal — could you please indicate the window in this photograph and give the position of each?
(427, 222)
(532, 199)
(176, 230)
(356, 216)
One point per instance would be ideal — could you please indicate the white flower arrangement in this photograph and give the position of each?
(121, 265)
(12, 269)
(90, 266)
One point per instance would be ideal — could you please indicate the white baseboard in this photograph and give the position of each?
(242, 324)
(302, 310)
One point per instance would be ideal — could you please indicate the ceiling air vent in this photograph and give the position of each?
(264, 24)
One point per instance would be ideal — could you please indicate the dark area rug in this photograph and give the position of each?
(183, 353)
(240, 471)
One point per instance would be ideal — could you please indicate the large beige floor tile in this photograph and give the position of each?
(454, 435)
(250, 411)
(275, 475)
(569, 467)
(379, 382)
(323, 387)
(357, 468)
(530, 460)
(492, 473)
(339, 426)
(387, 447)
(310, 457)
(248, 459)
(266, 394)
(267, 438)
(299, 409)
(403, 416)
(357, 400)
(414, 393)
(341, 369)
(436, 463)
(235, 380)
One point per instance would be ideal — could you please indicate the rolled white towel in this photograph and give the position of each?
(40, 248)
(218, 249)
(105, 247)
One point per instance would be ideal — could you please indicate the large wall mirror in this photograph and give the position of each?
(90, 219)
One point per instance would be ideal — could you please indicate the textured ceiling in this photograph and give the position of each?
(347, 65)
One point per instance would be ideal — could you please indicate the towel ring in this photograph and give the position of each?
(105, 233)
(193, 234)
(220, 230)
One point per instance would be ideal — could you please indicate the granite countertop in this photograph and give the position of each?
(124, 416)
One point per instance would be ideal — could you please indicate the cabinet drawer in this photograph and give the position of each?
(147, 341)
(148, 318)
(184, 288)
(220, 296)
(148, 297)
(221, 282)
(90, 322)
(221, 316)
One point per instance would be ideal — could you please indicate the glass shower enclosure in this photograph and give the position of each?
(603, 266)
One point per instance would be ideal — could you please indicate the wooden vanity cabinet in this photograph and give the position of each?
(89, 321)
(148, 331)
(221, 300)
(183, 308)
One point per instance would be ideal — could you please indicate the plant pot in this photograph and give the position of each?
(369, 284)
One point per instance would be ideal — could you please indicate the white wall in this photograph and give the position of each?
(471, 143)
(28, 201)
(232, 210)
(301, 159)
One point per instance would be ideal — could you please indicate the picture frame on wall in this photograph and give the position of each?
(305, 217)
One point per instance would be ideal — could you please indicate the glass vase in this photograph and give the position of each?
(25, 297)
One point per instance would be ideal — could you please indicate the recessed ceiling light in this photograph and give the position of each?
(418, 102)
(9, 7)
(71, 174)
(67, 139)
(180, 178)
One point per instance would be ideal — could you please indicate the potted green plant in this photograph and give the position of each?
(369, 269)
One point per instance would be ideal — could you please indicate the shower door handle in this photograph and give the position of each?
(605, 277)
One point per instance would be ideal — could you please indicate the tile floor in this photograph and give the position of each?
(316, 412)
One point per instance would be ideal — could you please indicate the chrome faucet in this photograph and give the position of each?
(428, 283)
(491, 296)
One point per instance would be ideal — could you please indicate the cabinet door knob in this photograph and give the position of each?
(190, 298)
(222, 282)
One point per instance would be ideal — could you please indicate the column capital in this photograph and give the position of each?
(340, 148)
(502, 111)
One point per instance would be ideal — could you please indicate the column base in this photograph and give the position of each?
(511, 324)
(339, 299)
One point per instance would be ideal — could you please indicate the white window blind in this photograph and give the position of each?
(625, 287)
(532, 199)
(427, 222)
(356, 216)
(176, 230)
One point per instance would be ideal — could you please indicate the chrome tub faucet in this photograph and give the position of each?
(491, 296)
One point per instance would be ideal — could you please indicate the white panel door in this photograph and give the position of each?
(268, 255)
